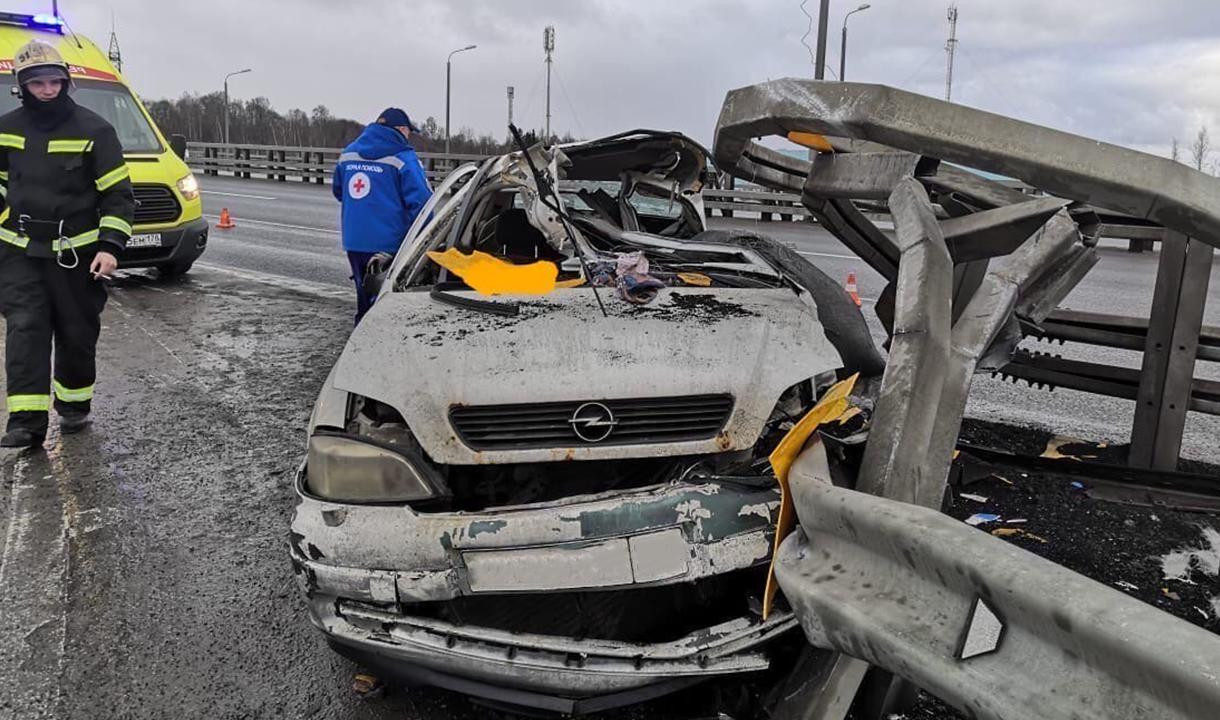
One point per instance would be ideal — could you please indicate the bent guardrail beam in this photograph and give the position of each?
(909, 402)
(1071, 166)
(878, 573)
(992, 629)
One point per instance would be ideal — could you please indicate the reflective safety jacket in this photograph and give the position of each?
(66, 188)
(382, 187)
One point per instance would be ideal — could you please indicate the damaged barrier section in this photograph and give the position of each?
(585, 451)
(874, 571)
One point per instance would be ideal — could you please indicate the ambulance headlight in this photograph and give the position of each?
(346, 469)
(189, 187)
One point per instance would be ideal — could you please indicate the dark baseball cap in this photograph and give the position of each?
(396, 117)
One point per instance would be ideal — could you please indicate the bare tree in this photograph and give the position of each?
(1201, 148)
(1175, 152)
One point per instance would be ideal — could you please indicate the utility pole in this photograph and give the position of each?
(819, 70)
(239, 72)
(843, 42)
(548, 44)
(116, 57)
(950, 50)
(510, 104)
(448, 84)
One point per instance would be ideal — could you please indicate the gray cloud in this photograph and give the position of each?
(1131, 72)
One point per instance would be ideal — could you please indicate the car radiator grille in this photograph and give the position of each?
(635, 422)
(155, 204)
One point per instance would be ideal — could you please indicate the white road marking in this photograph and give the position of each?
(240, 195)
(307, 287)
(34, 579)
(17, 524)
(827, 255)
(275, 224)
(152, 337)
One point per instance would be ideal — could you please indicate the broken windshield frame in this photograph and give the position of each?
(659, 220)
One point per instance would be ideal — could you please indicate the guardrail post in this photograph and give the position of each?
(1167, 373)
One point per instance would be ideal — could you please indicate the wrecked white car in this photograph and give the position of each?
(563, 500)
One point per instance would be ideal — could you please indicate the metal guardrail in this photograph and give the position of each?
(877, 573)
(301, 164)
(315, 165)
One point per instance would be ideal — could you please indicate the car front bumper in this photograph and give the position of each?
(363, 570)
(179, 245)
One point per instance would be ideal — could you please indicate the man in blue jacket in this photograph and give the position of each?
(383, 188)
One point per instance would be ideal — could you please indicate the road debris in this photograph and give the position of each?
(1018, 532)
(1181, 564)
(982, 519)
(367, 686)
(976, 498)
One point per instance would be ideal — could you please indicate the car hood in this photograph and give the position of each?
(664, 157)
(423, 358)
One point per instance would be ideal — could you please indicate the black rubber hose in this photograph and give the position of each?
(841, 320)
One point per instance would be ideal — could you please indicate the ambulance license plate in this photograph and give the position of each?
(144, 241)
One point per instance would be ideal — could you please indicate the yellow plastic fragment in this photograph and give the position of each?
(833, 405)
(849, 414)
(573, 283)
(489, 275)
(813, 141)
(697, 279)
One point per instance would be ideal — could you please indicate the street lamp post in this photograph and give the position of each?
(843, 43)
(448, 76)
(239, 72)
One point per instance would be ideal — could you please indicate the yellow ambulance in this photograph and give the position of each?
(169, 229)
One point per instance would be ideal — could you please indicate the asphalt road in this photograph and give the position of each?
(143, 571)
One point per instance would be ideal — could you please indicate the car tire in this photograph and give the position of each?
(175, 269)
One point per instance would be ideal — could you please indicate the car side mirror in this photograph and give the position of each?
(177, 143)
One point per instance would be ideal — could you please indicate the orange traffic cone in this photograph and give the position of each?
(852, 290)
(226, 222)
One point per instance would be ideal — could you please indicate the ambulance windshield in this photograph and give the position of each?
(113, 102)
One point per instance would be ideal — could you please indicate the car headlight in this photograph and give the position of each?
(342, 468)
(189, 187)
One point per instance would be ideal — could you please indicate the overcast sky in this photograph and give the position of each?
(1127, 71)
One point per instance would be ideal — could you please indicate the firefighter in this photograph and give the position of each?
(70, 205)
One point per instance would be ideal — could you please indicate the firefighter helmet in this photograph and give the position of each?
(37, 59)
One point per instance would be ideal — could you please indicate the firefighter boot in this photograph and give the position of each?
(21, 438)
(73, 421)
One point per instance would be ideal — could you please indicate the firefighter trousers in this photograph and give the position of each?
(44, 306)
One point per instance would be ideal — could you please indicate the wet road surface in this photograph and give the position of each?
(143, 571)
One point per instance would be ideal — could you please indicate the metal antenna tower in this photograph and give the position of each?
(950, 50)
(548, 44)
(116, 57)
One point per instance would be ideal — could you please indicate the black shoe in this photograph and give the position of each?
(71, 422)
(21, 439)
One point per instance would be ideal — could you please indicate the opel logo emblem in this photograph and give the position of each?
(592, 422)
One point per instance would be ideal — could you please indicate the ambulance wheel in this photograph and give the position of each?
(174, 269)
